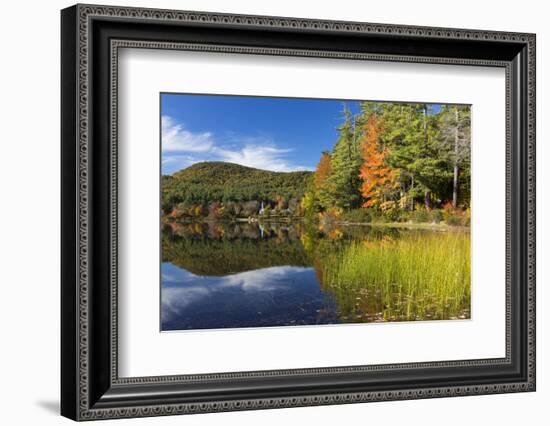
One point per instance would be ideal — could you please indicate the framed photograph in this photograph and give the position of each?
(263, 212)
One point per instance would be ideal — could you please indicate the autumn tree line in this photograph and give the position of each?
(395, 162)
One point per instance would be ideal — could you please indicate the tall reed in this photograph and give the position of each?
(414, 277)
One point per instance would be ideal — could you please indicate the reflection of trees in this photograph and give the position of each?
(230, 230)
(225, 248)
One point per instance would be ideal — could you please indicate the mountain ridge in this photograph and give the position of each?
(210, 181)
(202, 164)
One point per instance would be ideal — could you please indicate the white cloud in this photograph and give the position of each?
(177, 162)
(176, 138)
(182, 148)
(260, 157)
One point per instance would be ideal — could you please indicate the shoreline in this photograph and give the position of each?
(411, 225)
(403, 225)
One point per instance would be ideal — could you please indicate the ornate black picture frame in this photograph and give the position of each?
(91, 36)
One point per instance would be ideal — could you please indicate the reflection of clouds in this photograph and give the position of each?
(266, 279)
(176, 298)
(169, 278)
(194, 289)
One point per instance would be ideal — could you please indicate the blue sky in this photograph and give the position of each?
(279, 134)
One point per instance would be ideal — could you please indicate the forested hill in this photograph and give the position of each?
(207, 182)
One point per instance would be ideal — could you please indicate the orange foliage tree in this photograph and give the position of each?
(378, 179)
(322, 171)
(321, 183)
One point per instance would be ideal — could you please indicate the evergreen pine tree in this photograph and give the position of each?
(346, 159)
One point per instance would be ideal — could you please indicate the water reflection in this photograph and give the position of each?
(227, 275)
(280, 295)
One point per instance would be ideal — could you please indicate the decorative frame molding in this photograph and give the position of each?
(91, 37)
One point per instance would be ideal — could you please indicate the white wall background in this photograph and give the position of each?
(29, 213)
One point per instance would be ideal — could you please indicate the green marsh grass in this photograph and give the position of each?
(416, 276)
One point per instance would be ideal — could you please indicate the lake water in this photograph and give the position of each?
(232, 275)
